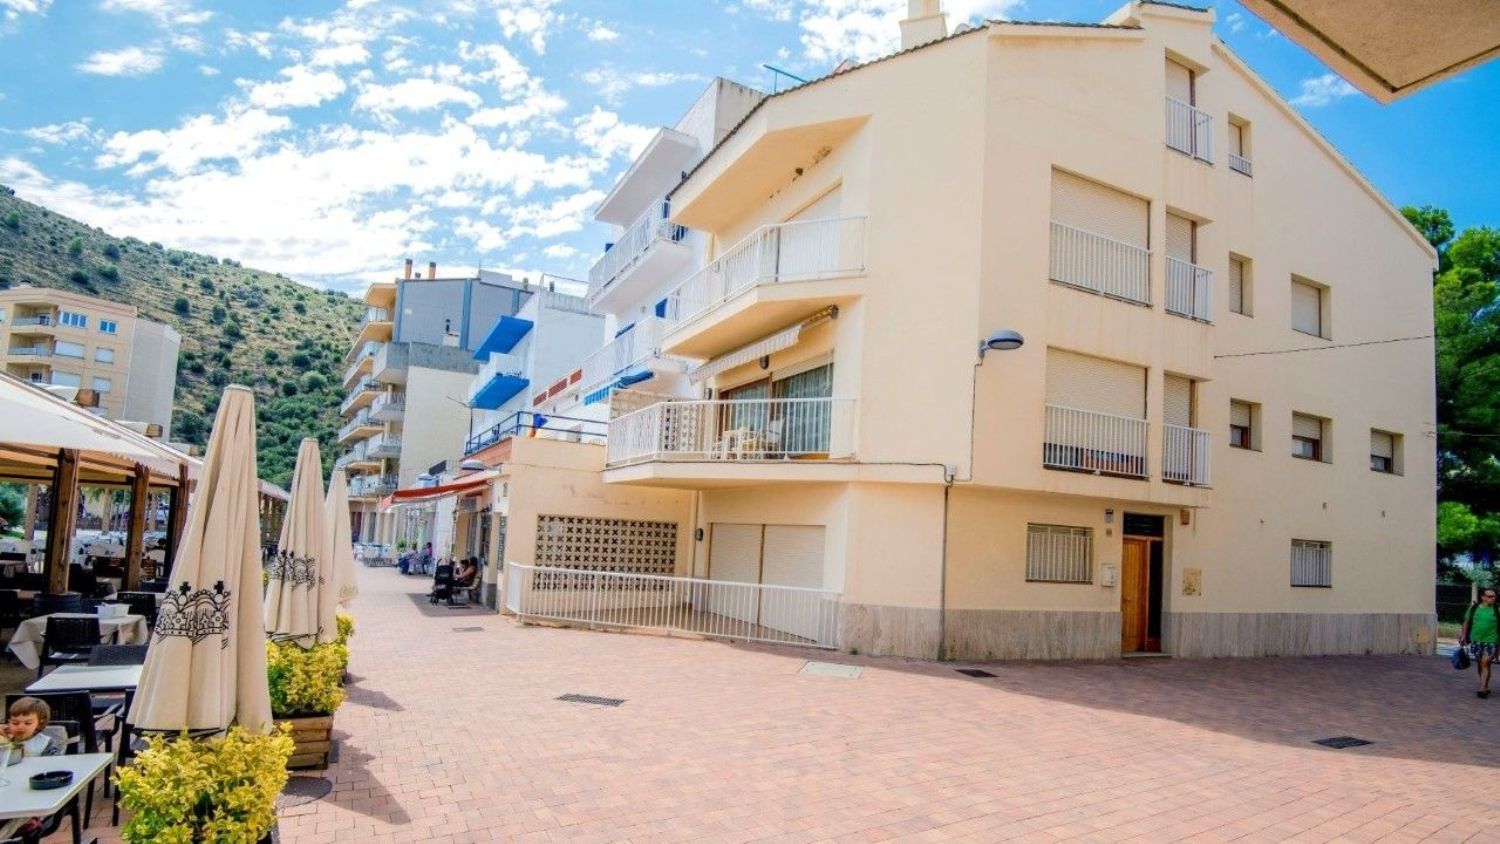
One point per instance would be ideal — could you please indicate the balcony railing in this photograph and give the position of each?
(759, 612)
(800, 251)
(388, 406)
(1190, 290)
(361, 387)
(1189, 130)
(383, 445)
(1102, 443)
(30, 352)
(500, 363)
(527, 424)
(27, 321)
(1101, 264)
(354, 455)
(366, 351)
(370, 485)
(359, 420)
(1184, 455)
(375, 315)
(630, 349)
(633, 243)
(1239, 164)
(745, 429)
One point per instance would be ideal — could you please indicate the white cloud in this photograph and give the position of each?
(776, 10)
(1235, 21)
(603, 132)
(611, 82)
(560, 251)
(299, 88)
(414, 95)
(532, 20)
(532, 108)
(129, 61)
(14, 9)
(341, 54)
(1322, 90)
(198, 140)
(601, 33)
(260, 42)
(208, 70)
(558, 217)
(834, 30)
(70, 132)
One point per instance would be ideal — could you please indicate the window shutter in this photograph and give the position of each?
(1236, 286)
(1307, 309)
(1382, 444)
(826, 207)
(1179, 238)
(1178, 400)
(1096, 384)
(1092, 207)
(1179, 82)
(1239, 414)
(1310, 427)
(1237, 139)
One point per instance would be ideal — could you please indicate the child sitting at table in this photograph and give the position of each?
(27, 732)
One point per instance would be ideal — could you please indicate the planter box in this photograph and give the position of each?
(314, 739)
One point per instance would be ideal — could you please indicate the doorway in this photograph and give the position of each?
(1141, 578)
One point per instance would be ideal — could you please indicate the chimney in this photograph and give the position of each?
(432, 269)
(408, 268)
(924, 23)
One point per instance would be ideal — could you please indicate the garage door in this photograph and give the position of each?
(734, 555)
(792, 556)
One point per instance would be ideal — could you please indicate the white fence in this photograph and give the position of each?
(1094, 262)
(629, 349)
(1184, 455)
(1190, 130)
(715, 608)
(1239, 164)
(1190, 290)
(1094, 442)
(634, 241)
(745, 429)
(799, 251)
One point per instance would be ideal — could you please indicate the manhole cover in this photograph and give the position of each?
(467, 629)
(974, 672)
(832, 669)
(300, 791)
(1341, 742)
(594, 699)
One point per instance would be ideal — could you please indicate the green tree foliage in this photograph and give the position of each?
(75, 247)
(182, 306)
(111, 252)
(12, 221)
(12, 504)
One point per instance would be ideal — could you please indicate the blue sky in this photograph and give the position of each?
(328, 140)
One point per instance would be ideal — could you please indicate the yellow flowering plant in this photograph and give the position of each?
(346, 627)
(182, 790)
(305, 681)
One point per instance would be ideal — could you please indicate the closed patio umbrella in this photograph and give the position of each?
(300, 588)
(206, 668)
(336, 515)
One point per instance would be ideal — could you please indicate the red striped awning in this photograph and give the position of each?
(461, 486)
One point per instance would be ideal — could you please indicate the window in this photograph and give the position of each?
(1312, 563)
(103, 354)
(102, 385)
(1059, 554)
(1100, 239)
(1242, 425)
(1239, 286)
(1309, 308)
(1239, 146)
(109, 326)
(66, 379)
(72, 319)
(2, 315)
(1307, 437)
(63, 348)
(1385, 452)
(1085, 395)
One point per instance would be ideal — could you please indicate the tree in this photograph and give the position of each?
(13, 504)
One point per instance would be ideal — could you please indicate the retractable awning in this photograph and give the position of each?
(421, 495)
(784, 339)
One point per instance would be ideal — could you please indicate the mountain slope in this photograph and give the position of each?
(238, 325)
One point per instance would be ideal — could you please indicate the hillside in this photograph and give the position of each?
(238, 325)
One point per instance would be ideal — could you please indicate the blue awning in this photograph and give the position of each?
(623, 381)
(499, 390)
(503, 337)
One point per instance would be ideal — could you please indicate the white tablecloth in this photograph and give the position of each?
(26, 644)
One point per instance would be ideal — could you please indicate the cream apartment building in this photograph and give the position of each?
(126, 364)
(1193, 452)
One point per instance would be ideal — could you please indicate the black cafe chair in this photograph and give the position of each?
(68, 639)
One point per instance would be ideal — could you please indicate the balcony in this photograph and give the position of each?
(1190, 131)
(1100, 264)
(30, 351)
(383, 446)
(1190, 290)
(651, 249)
(1239, 164)
(528, 424)
(372, 486)
(498, 381)
(389, 365)
(388, 407)
(360, 395)
(361, 425)
(357, 457)
(1101, 443)
(735, 431)
(1184, 455)
(361, 364)
(34, 321)
(617, 357)
(376, 326)
(778, 274)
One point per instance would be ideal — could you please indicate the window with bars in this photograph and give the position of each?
(1384, 452)
(1059, 554)
(1312, 563)
(1307, 437)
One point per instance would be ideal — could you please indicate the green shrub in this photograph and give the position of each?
(78, 277)
(313, 382)
(182, 306)
(299, 307)
(306, 681)
(346, 627)
(12, 221)
(75, 247)
(272, 355)
(111, 251)
(219, 313)
(205, 285)
(289, 388)
(108, 272)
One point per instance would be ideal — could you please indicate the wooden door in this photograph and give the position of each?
(1135, 593)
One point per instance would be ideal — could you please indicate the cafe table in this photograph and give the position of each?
(26, 643)
(95, 679)
(19, 801)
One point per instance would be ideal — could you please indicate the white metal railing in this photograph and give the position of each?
(742, 429)
(629, 349)
(38, 319)
(363, 485)
(1102, 443)
(389, 404)
(719, 609)
(383, 445)
(375, 315)
(1190, 130)
(30, 352)
(365, 352)
(1190, 290)
(357, 421)
(1184, 455)
(647, 229)
(1239, 164)
(799, 251)
(1104, 265)
(361, 387)
(500, 363)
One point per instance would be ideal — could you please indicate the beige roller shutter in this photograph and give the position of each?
(734, 556)
(1178, 401)
(1236, 286)
(1179, 82)
(1090, 383)
(1307, 308)
(1239, 414)
(1310, 427)
(1237, 139)
(1382, 444)
(825, 207)
(793, 557)
(1179, 238)
(1092, 207)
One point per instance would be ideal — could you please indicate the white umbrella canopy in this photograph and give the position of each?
(336, 516)
(206, 668)
(300, 589)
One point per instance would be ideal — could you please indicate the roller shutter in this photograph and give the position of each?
(1239, 414)
(1178, 398)
(734, 555)
(1179, 82)
(1307, 308)
(1308, 427)
(793, 556)
(1236, 286)
(1090, 383)
(1092, 207)
(1179, 238)
(1382, 444)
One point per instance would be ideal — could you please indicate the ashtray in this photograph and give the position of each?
(51, 779)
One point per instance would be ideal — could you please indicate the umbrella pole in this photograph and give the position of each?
(140, 495)
(62, 517)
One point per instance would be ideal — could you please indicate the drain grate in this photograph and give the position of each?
(467, 629)
(974, 672)
(594, 699)
(1341, 742)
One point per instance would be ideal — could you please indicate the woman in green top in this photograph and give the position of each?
(1481, 634)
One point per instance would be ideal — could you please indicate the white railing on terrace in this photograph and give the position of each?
(744, 429)
(629, 349)
(360, 387)
(375, 315)
(38, 319)
(372, 485)
(1239, 164)
(799, 251)
(31, 352)
(1101, 264)
(1190, 130)
(389, 403)
(383, 445)
(1190, 290)
(366, 351)
(633, 243)
(719, 609)
(1101, 443)
(1184, 455)
(500, 363)
(357, 421)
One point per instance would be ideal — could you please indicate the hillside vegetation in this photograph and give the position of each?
(238, 325)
